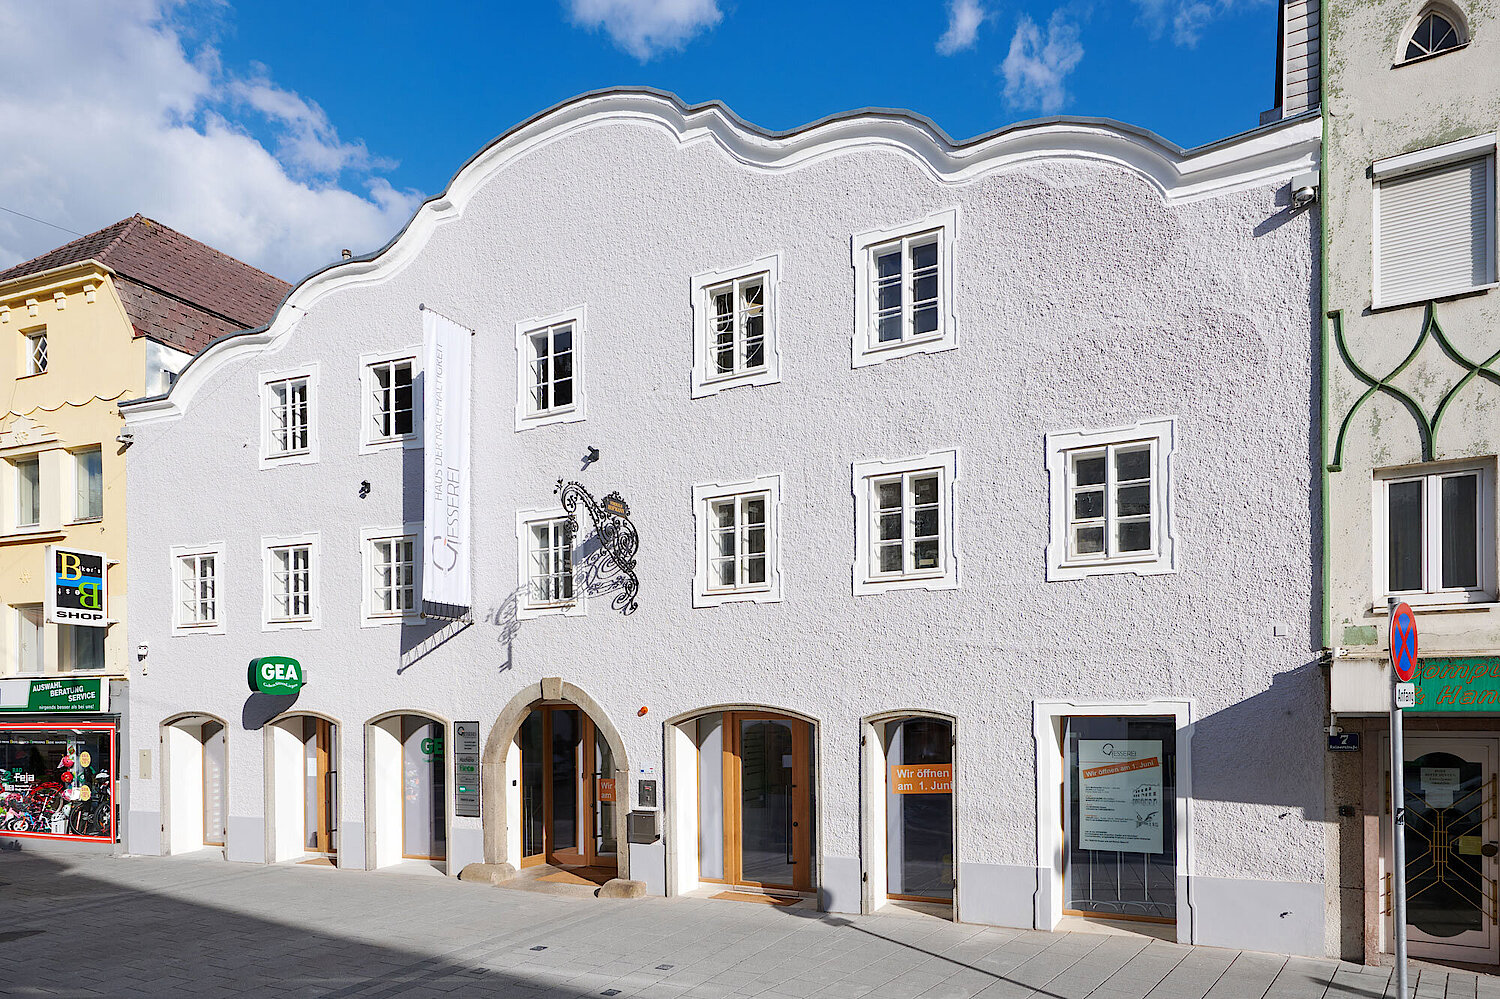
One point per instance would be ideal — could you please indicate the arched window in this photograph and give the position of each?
(1437, 31)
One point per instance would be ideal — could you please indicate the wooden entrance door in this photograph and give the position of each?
(767, 801)
(567, 790)
(322, 788)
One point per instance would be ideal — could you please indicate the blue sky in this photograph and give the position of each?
(281, 130)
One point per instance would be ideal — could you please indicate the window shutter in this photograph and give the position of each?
(1436, 232)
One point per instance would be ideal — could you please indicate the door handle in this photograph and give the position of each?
(1490, 849)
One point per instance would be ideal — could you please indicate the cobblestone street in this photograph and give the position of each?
(189, 926)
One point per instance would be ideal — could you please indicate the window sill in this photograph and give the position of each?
(308, 457)
(527, 421)
(1157, 565)
(869, 353)
(1431, 55)
(33, 374)
(714, 598)
(527, 612)
(703, 388)
(383, 620)
(406, 441)
(884, 584)
(301, 625)
(85, 521)
(31, 535)
(1487, 604)
(1477, 289)
(200, 628)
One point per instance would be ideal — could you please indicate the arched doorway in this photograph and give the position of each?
(743, 782)
(195, 800)
(909, 787)
(407, 792)
(556, 785)
(302, 788)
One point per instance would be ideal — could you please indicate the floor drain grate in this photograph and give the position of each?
(540, 947)
(665, 967)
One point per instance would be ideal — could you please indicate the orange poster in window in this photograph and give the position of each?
(606, 789)
(922, 778)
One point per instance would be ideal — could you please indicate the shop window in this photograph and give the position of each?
(904, 523)
(392, 410)
(30, 657)
(1434, 534)
(734, 336)
(1111, 494)
(919, 809)
(57, 781)
(738, 549)
(81, 649)
(904, 281)
(88, 484)
(549, 356)
(1120, 825)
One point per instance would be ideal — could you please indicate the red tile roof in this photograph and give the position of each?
(176, 290)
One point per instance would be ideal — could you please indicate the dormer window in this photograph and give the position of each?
(1436, 32)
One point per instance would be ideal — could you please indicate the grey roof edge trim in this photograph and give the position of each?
(1144, 136)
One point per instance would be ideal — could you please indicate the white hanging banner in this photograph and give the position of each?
(446, 540)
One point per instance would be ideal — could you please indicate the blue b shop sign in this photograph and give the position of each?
(76, 590)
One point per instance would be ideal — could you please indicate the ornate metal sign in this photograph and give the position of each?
(607, 565)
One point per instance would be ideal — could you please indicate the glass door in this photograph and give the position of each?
(919, 810)
(1451, 847)
(768, 833)
(567, 804)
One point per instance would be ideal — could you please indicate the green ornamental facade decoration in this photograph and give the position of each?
(1426, 426)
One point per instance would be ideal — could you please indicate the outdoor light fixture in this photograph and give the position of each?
(1304, 189)
(364, 488)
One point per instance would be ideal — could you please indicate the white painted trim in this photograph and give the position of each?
(179, 552)
(1433, 156)
(865, 351)
(304, 457)
(367, 538)
(1485, 593)
(704, 384)
(525, 419)
(368, 443)
(315, 572)
(945, 463)
(1162, 433)
(526, 611)
(1051, 772)
(1260, 158)
(706, 492)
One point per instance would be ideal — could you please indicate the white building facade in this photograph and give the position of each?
(971, 489)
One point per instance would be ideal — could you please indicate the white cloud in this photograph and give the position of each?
(134, 115)
(1036, 69)
(646, 28)
(964, 19)
(1186, 18)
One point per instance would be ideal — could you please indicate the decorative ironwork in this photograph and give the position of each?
(1426, 426)
(608, 566)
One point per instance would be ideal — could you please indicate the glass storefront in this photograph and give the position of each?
(58, 780)
(919, 809)
(424, 790)
(1120, 823)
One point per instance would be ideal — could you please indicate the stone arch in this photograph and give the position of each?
(494, 780)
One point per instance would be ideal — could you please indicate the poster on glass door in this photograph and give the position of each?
(1119, 795)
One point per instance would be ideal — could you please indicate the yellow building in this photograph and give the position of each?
(108, 317)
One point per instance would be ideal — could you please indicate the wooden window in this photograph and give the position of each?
(290, 575)
(392, 415)
(30, 655)
(904, 279)
(1435, 33)
(288, 416)
(904, 523)
(198, 590)
(739, 326)
(550, 582)
(1110, 507)
(393, 576)
(552, 369)
(737, 553)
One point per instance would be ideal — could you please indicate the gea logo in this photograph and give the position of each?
(276, 675)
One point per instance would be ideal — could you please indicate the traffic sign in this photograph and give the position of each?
(1404, 642)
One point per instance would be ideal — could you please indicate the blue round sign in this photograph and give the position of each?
(1404, 642)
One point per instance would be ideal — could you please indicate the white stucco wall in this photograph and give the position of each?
(1087, 297)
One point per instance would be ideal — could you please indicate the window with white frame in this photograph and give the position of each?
(1435, 533)
(391, 407)
(1435, 222)
(550, 370)
(36, 352)
(28, 494)
(735, 328)
(288, 416)
(80, 649)
(738, 547)
(904, 280)
(196, 573)
(30, 652)
(88, 484)
(1111, 497)
(1437, 31)
(291, 582)
(904, 523)
(390, 575)
(548, 582)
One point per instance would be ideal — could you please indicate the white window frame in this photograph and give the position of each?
(369, 440)
(314, 567)
(304, 456)
(525, 608)
(73, 457)
(29, 338)
(1161, 434)
(526, 417)
(1431, 473)
(865, 475)
(181, 627)
(18, 622)
(705, 381)
(368, 537)
(1421, 160)
(705, 494)
(15, 462)
(866, 348)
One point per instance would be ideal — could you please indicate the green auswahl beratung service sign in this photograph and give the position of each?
(276, 675)
(1458, 683)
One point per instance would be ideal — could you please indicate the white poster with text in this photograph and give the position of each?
(1119, 795)
(446, 541)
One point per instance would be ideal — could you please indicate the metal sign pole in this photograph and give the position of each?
(1398, 829)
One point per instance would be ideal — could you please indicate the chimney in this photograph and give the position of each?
(347, 255)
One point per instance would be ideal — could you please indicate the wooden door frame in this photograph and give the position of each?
(734, 872)
(585, 784)
(323, 733)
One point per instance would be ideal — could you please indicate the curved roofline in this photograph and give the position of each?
(1254, 158)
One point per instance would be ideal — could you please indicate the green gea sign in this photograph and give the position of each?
(1458, 683)
(276, 675)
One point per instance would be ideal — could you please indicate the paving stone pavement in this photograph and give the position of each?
(188, 926)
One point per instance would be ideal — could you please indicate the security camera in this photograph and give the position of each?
(125, 437)
(1304, 189)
